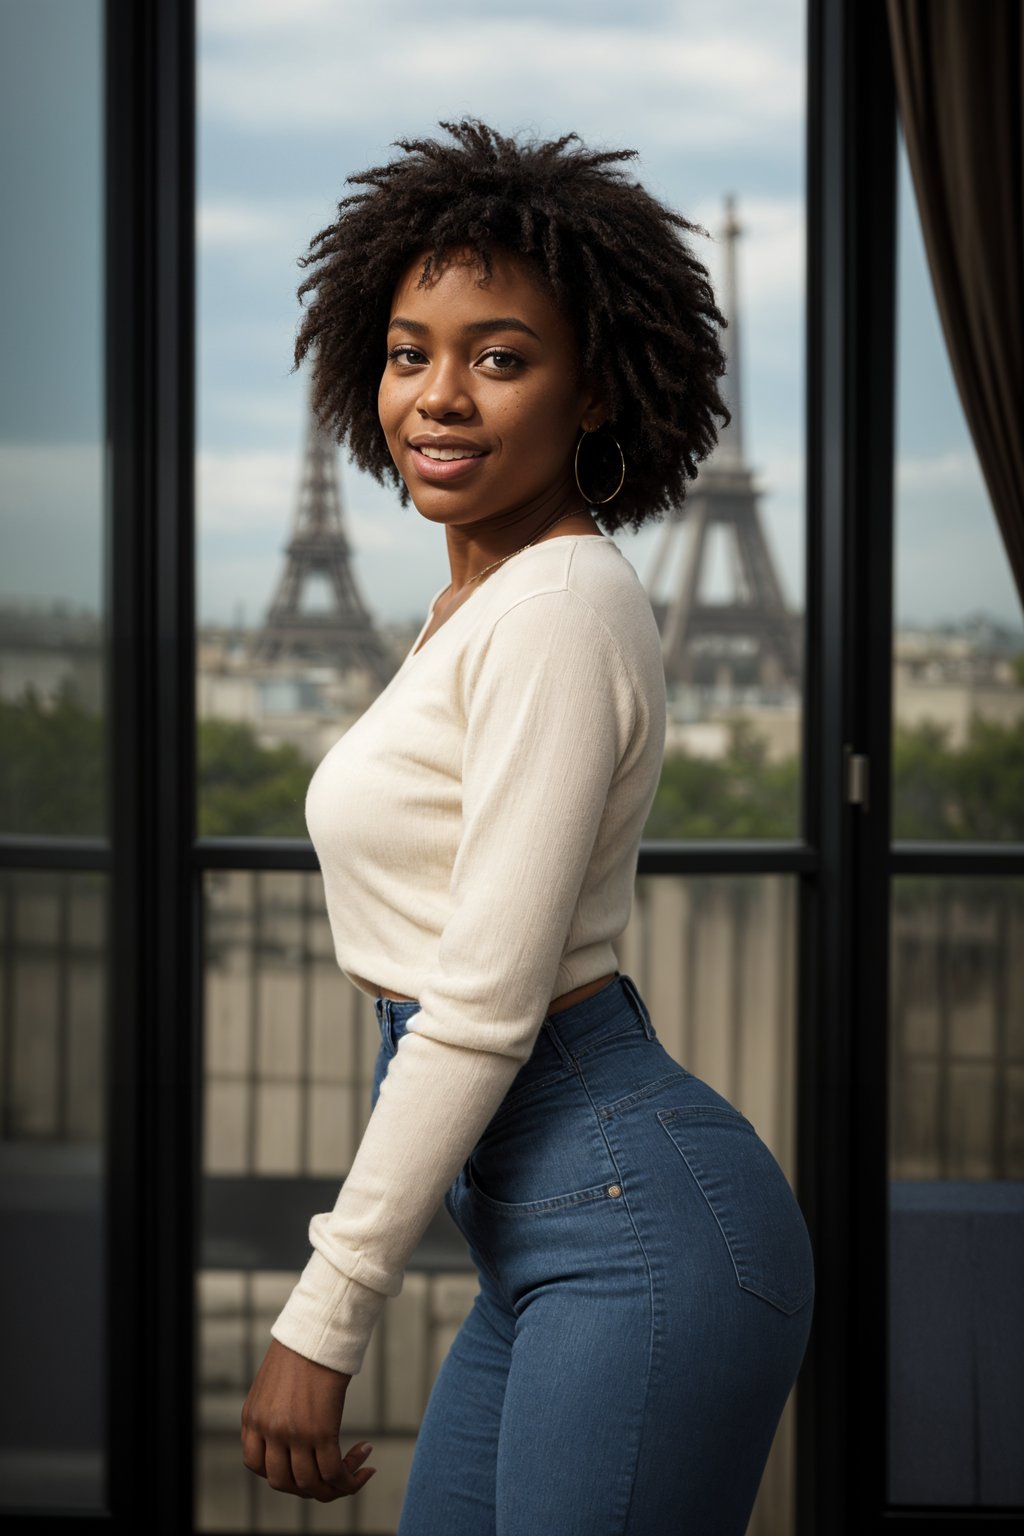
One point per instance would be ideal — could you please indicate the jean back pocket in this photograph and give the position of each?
(751, 1200)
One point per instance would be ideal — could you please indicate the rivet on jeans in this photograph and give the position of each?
(613, 1189)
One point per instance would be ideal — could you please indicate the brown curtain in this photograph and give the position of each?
(958, 66)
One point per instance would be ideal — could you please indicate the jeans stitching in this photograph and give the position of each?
(516, 1096)
(635, 1026)
(537, 1207)
(606, 1111)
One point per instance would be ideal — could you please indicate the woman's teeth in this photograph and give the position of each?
(449, 453)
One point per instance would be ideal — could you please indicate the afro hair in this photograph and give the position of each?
(614, 258)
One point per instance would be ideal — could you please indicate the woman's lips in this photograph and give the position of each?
(439, 470)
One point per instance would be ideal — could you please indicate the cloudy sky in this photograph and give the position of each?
(294, 95)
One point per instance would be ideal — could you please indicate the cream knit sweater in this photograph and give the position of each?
(478, 830)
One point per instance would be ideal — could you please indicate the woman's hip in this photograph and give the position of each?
(610, 1161)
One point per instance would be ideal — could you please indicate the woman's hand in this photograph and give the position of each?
(291, 1427)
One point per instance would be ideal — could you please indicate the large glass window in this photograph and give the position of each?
(956, 1044)
(958, 650)
(52, 664)
(53, 921)
(312, 582)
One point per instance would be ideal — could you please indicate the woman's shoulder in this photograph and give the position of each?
(591, 566)
(582, 582)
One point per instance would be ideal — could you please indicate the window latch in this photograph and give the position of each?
(856, 778)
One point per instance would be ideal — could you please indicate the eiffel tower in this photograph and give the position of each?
(751, 639)
(341, 636)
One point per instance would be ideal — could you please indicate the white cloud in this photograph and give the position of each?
(248, 221)
(252, 491)
(255, 491)
(266, 67)
(956, 472)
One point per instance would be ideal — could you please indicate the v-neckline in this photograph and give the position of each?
(418, 648)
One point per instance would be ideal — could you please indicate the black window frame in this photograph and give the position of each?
(843, 860)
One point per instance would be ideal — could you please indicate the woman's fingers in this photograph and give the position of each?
(254, 1450)
(346, 1474)
(319, 1472)
(308, 1482)
(279, 1467)
(291, 1426)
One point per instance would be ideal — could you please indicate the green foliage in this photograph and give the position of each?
(940, 793)
(246, 790)
(52, 767)
(739, 795)
(972, 794)
(53, 781)
(53, 774)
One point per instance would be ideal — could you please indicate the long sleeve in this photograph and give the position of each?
(552, 722)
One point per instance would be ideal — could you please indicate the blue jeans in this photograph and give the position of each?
(645, 1294)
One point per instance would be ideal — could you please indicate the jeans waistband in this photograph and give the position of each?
(568, 1030)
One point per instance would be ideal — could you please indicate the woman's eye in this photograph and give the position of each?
(405, 355)
(504, 362)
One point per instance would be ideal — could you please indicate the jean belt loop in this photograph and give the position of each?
(639, 1005)
(551, 1029)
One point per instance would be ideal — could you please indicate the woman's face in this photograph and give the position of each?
(481, 400)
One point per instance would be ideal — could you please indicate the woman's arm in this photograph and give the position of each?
(552, 720)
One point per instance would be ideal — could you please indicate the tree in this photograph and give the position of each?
(974, 793)
(246, 790)
(52, 766)
(738, 795)
(53, 781)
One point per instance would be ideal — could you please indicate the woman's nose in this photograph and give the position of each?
(445, 393)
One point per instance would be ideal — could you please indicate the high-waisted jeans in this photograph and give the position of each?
(645, 1294)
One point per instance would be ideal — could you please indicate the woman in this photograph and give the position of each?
(519, 338)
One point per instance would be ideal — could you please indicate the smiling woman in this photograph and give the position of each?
(485, 313)
(625, 295)
(478, 413)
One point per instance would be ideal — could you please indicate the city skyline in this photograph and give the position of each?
(715, 103)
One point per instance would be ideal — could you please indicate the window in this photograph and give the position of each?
(956, 1050)
(53, 759)
(292, 644)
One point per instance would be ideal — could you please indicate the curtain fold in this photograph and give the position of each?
(958, 67)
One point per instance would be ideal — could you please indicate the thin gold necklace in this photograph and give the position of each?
(519, 551)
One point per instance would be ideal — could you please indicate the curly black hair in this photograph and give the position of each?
(613, 257)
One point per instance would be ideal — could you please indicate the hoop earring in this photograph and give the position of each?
(590, 500)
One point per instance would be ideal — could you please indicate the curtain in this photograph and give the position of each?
(958, 67)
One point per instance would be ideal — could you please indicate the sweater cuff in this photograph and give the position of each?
(329, 1317)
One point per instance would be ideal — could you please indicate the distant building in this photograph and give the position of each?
(52, 649)
(947, 673)
(303, 703)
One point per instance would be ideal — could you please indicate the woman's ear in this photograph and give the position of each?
(595, 412)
